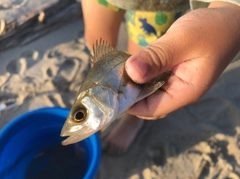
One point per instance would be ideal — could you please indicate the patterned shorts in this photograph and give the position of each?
(145, 27)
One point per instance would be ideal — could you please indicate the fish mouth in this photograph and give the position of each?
(64, 134)
(67, 132)
(71, 139)
(74, 137)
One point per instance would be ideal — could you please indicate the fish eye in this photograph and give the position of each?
(79, 115)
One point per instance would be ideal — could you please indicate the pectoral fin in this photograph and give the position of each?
(155, 84)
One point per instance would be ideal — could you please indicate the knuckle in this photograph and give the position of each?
(161, 55)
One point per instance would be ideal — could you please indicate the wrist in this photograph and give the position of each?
(217, 4)
(232, 15)
(233, 8)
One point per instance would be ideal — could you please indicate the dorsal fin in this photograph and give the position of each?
(101, 50)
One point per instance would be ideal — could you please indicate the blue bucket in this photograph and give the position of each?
(30, 147)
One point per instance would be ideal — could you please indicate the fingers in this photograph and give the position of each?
(183, 87)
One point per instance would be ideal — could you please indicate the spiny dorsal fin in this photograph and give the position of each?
(101, 50)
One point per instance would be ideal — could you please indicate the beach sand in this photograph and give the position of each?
(201, 140)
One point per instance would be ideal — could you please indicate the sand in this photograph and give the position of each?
(201, 140)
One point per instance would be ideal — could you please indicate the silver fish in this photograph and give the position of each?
(105, 94)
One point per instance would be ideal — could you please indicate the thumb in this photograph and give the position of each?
(171, 49)
(151, 61)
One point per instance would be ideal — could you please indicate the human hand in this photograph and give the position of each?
(197, 47)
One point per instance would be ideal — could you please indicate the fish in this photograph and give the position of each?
(105, 94)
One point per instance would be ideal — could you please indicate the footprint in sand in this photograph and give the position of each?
(71, 61)
(66, 73)
(26, 60)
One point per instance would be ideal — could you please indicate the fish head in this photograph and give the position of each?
(88, 115)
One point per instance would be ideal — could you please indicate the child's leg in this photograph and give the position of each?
(122, 136)
(100, 22)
